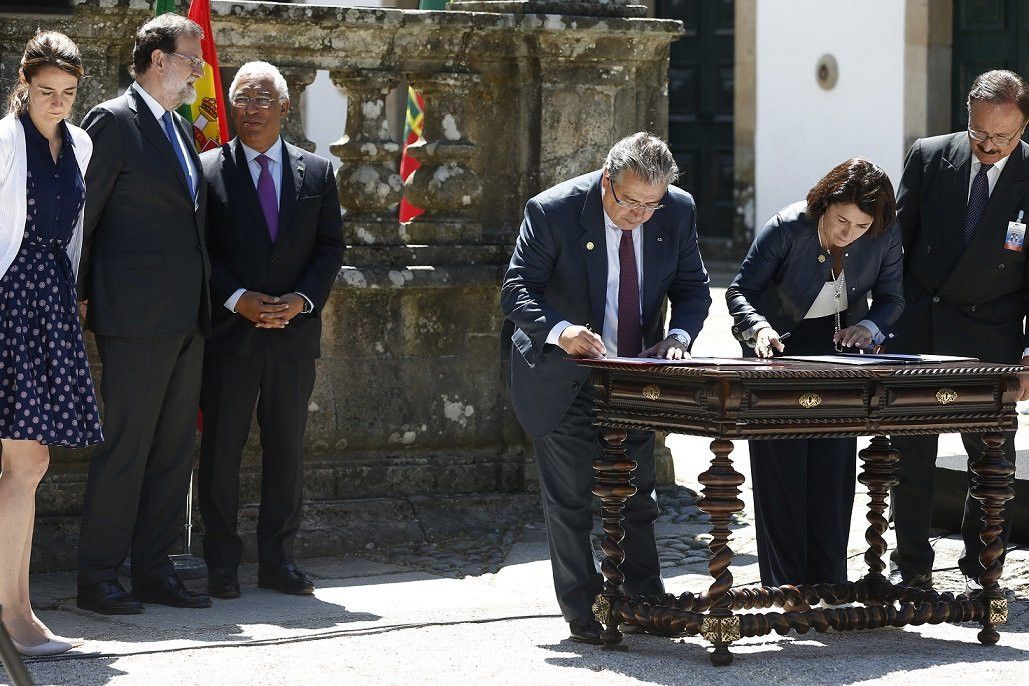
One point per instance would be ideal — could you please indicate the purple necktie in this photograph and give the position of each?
(977, 199)
(266, 194)
(630, 336)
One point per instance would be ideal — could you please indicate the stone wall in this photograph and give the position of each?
(410, 400)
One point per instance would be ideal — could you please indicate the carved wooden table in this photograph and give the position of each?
(794, 399)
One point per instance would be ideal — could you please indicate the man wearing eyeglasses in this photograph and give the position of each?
(144, 274)
(962, 202)
(595, 260)
(275, 235)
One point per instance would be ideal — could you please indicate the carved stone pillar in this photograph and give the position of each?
(297, 80)
(369, 183)
(446, 184)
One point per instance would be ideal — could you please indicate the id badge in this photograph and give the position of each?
(1015, 236)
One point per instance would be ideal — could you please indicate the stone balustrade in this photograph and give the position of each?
(410, 399)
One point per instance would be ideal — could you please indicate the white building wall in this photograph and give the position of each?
(803, 131)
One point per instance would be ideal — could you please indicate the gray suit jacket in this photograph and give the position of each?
(961, 300)
(144, 257)
(553, 276)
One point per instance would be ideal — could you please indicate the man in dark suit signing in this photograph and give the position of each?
(276, 242)
(965, 287)
(144, 274)
(594, 261)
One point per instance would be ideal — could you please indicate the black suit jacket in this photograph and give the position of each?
(559, 272)
(961, 300)
(144, 260)
(305, 258)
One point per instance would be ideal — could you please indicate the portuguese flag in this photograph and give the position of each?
(413, 128)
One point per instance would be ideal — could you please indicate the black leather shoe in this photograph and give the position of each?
(585, 630)
(223, 582)
(285, 579)
(169, 591)
(107, 598)
(922, 581)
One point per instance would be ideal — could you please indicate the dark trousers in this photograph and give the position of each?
(565, 460)
(911, 502)
(803, 498)
(804, 489)
(281, 389)
(138, 478)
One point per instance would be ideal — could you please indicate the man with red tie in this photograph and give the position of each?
(276, 244)
(595, 259)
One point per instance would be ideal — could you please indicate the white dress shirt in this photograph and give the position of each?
(274, 153)
(613, 236)
(158, 111)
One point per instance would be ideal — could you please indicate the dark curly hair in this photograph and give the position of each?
(860, 182)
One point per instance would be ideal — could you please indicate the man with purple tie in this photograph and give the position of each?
(595, 259)
(276, 244)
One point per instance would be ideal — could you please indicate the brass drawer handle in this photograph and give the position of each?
(945, 396)
(809, 400)
(651, 392)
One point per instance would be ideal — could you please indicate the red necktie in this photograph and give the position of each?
(630, 336)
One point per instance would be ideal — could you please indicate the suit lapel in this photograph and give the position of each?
(654, 248)
(152, 130)
(593, 243)
(955, 166)
(992, 227)
(186, 131)
(293, 169)
(244, 181)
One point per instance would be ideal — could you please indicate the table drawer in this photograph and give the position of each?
(940, 396)
(809, 400)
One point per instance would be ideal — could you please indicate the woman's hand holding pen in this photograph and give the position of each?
(767, 341)
(579, 341)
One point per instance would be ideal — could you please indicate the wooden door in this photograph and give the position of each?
(700, 95)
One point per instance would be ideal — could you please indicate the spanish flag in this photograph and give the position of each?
(413, 129)
(207, 113)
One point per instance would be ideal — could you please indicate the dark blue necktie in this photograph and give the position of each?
(169, 131)
(977, 199)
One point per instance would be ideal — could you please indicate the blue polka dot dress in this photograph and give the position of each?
(46, 392)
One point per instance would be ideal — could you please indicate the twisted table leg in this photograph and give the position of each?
(720, 501)
(878, 474)
(991, 486)
(613, 485)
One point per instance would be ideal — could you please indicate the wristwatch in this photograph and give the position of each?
(679, 337)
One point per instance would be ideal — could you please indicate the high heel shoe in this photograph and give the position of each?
(46, 648)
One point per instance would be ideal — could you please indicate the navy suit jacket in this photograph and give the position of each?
(554, 275)
(305, 258)
(781, 275)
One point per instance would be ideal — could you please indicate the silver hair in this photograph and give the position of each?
(646, 156)
(261, 69)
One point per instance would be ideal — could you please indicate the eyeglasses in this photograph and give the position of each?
(196, 64)
(632, 204)
(996, 138)
(243, 102)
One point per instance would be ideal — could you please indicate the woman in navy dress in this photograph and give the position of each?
(809, 274)
(46, 393)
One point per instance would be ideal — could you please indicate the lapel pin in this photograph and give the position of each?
(589, 246)
(821, 258)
